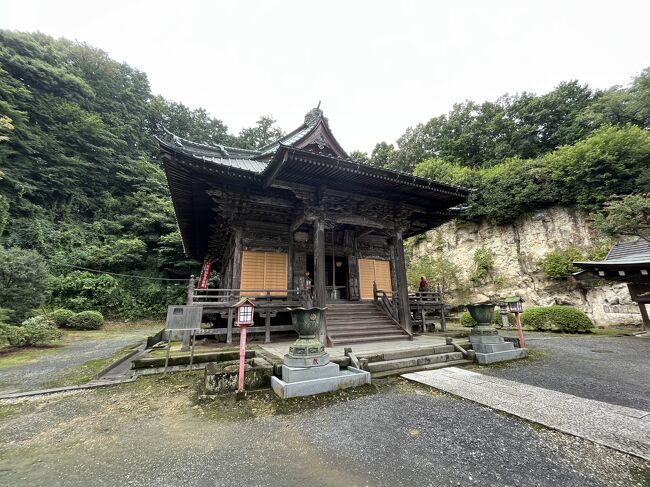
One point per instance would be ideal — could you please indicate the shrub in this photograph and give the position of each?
(39, 331)
(34, 331)
(11, 335)
(467, 320)
(87, 320)
(483, 264)
(559, 263)
(557, 318)
(61, 317)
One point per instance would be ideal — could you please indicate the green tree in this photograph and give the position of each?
(263, 133)
(625, 216)
(438, 270)
(23, 280)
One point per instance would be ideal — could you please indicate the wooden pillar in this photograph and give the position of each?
(229, 330)
(267, 327)
(236, 258)
(320, 291)
(644, 315)
(290, 283)
(402, 283)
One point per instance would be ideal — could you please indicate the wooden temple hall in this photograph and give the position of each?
(298, 219)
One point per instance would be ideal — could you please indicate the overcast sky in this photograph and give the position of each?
(378, 66)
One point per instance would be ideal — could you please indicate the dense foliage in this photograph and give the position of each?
(559, 263)
(556, 318)
(626, 216)
(573, 146)
(23, 279)
(80, 183)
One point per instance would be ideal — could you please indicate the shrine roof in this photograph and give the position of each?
(308, 156)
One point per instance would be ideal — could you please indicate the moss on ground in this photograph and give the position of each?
(81, 374)
(11, 357)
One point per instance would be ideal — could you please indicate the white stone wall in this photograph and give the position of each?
(517, 250)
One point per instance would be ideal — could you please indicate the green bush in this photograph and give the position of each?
(61, 317)
(559, 263)
(556, 318)
(13, 336)
(34, 331)
(467, 320)
(87, 320)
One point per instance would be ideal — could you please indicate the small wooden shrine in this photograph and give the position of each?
(299, 217)
(627, 262)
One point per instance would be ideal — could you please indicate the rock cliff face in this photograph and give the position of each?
(517, 250)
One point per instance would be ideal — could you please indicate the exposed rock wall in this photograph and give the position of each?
(517, 250)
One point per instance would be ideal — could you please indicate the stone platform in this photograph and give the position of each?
(307, 381)
(492, 348)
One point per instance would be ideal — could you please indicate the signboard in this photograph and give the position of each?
(206, 270)
(184, 318)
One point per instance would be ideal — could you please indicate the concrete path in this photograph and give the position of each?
(619, 427)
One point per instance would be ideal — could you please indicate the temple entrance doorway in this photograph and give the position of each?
(336, 276)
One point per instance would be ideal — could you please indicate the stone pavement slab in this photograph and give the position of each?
(619, 427)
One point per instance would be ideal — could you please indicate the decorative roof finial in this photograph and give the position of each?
(314, 115)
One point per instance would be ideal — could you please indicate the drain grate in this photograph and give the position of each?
(603, 351)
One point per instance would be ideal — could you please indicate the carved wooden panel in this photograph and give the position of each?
(299, 268)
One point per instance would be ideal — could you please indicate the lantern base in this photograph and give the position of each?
(306, 347)
(311, 361)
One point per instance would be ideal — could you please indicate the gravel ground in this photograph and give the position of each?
(152, 432)
(56, 363)
(610, 369)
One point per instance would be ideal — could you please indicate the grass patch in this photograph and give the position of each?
(87, 371)
(12, 357)
(8, 410)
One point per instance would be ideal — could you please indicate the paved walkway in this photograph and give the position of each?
(619, 427)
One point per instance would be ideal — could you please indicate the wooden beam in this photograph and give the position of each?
(644, 315)
(236, 258)
(402, 283)
(320, 292)
(290, 284)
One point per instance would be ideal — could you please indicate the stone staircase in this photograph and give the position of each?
(350, 323)
(395, 362)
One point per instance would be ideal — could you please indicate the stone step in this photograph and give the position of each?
(364, 329)
(408, 353)
(332, 316)
(365, 339)
(406, 370)
(409, 362)
(365, 321)
(341, 333)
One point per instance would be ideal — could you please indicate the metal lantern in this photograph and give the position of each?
(515, 304)
(245, 310)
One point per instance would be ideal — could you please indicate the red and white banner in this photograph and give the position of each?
(206, 270)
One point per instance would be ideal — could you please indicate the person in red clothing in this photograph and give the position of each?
(424, 285)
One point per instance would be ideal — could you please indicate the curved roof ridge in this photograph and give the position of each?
(223, 149)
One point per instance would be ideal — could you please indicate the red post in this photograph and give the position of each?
(520, 331)
(242, 356)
